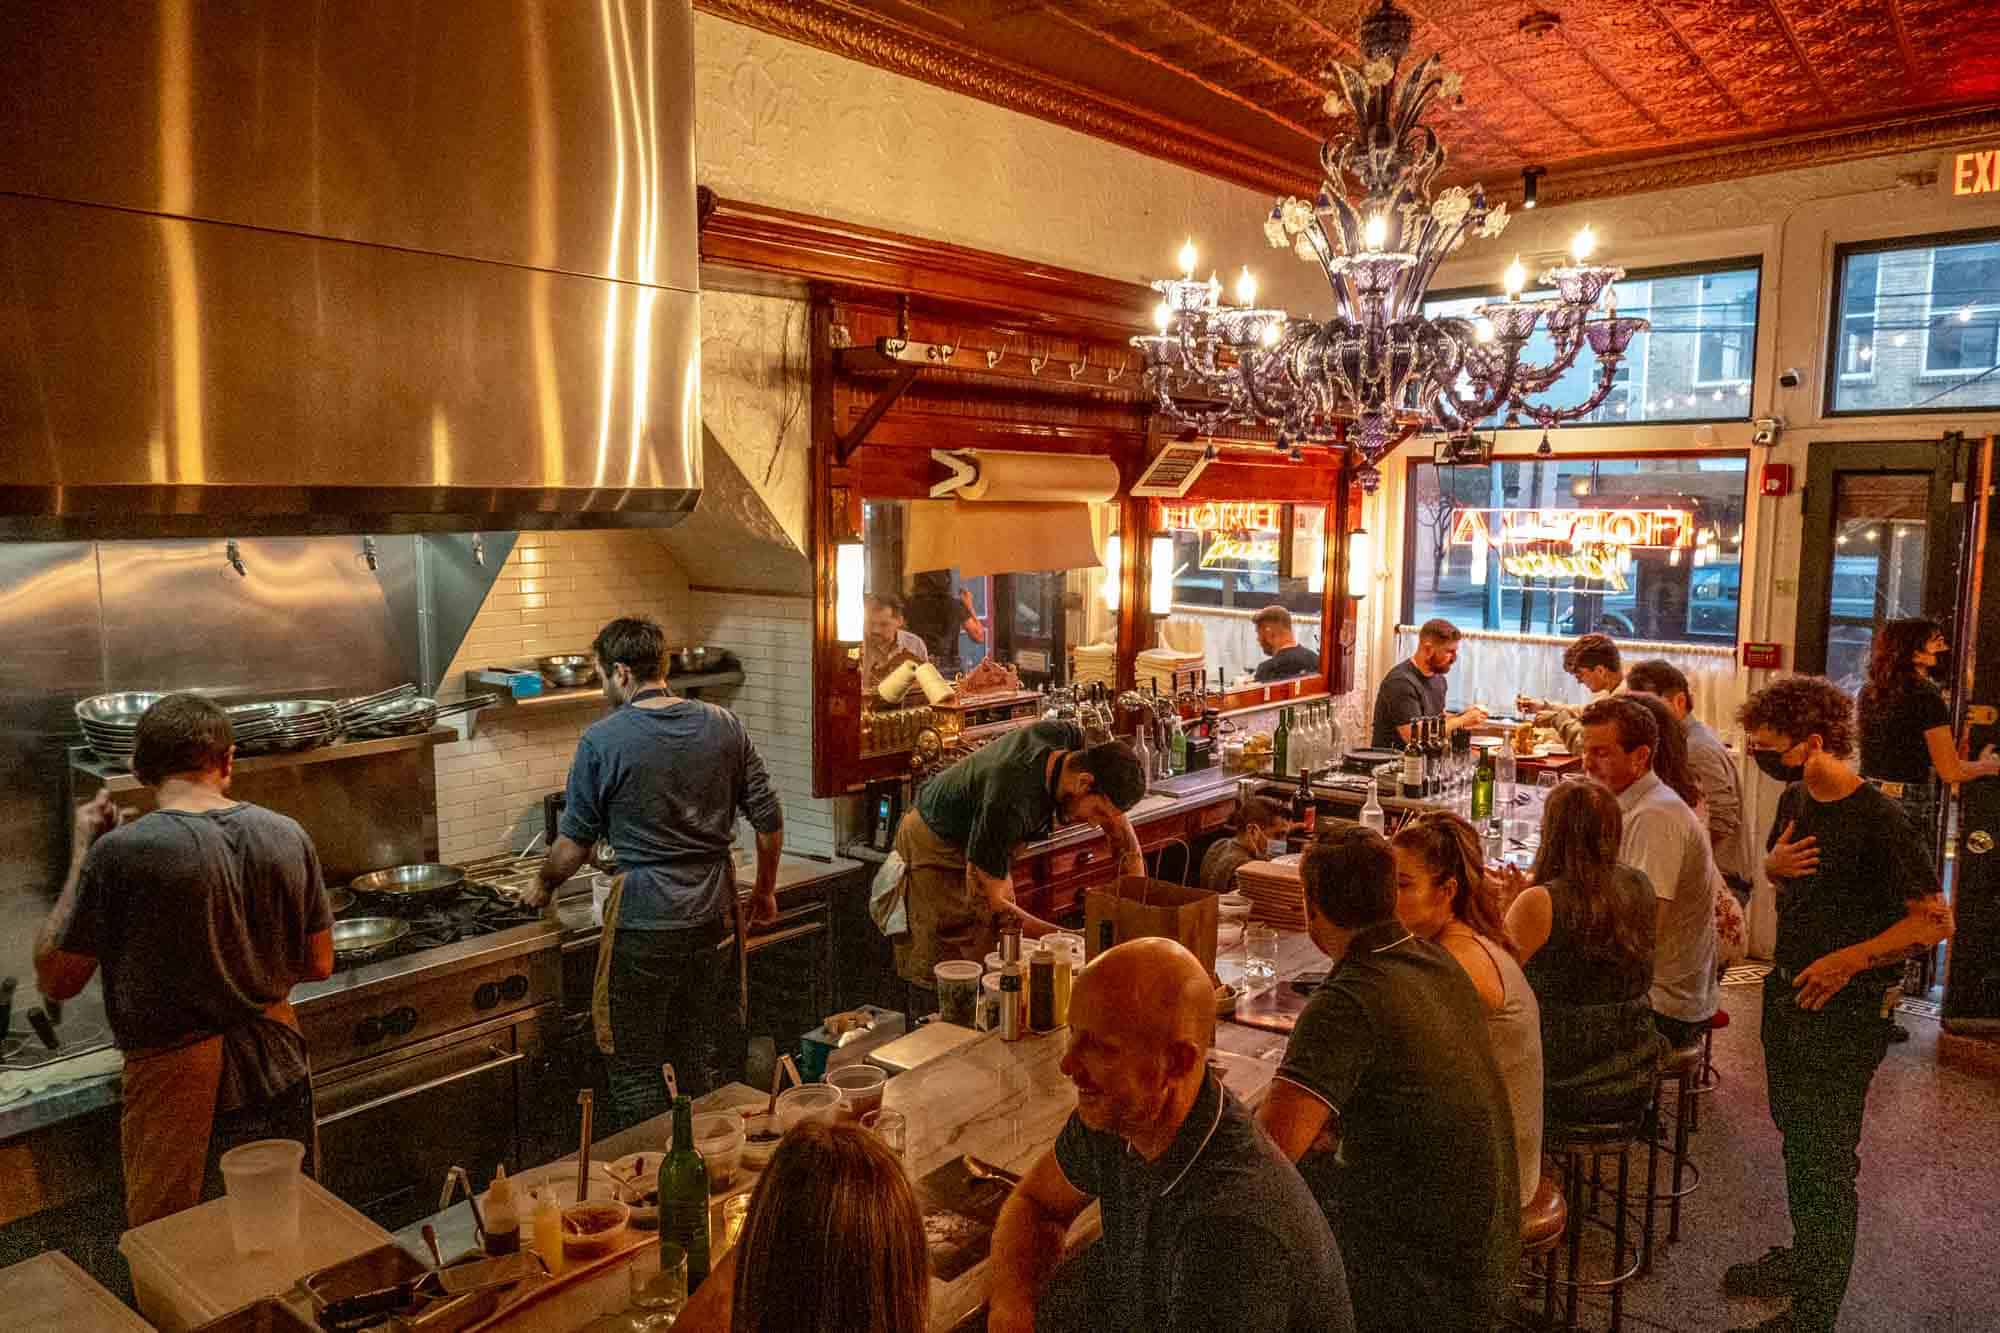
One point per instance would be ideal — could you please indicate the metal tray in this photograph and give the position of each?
(385, 1266)
(269, 1315)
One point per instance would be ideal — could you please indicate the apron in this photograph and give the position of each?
(168, 1117)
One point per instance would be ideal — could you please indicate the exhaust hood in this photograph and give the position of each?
(279, 267)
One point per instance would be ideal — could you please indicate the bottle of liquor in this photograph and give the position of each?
(1305, 805)
(1483, 778)
(1281, 746)
(1434, 758)
(684, 1194)
(1413, 764)
(1371, 811)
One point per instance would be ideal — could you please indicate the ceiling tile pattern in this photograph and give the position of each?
(1699, 89)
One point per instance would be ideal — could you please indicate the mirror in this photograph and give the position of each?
(1051, 626)
(1248, 578)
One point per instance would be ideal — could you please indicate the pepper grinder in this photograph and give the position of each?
(1011, 997)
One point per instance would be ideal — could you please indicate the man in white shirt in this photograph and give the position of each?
(1665, 842)
(1592, 662)
(1721, 780)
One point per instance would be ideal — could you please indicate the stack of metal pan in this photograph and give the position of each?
(298, 724)
(110, 722)
(409, 716)
(351, 710)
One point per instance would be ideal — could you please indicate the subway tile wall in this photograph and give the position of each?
(555, 591)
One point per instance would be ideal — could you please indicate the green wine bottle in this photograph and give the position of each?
(684, 1195)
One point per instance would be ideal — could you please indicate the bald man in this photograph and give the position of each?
(1205, 1224)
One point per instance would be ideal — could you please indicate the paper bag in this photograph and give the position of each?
(1136, 907)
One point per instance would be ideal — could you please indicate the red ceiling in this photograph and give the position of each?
(1618, 96)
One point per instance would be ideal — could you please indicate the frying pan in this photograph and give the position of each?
(364, 937)
(410, 888)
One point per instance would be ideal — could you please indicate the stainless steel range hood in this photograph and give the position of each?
(281, 267)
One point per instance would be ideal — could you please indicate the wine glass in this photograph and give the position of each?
(659, 1276)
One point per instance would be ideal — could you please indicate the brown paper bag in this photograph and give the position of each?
(1136, 907)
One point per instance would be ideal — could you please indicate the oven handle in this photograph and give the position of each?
(500, 1062)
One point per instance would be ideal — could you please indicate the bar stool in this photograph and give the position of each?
(1543, 1222)
(1682, 1068)
(1709, 1078)
(1574, 1144)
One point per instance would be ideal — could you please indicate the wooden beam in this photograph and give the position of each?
(845, 446)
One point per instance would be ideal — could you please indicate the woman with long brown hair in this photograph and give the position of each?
(833, 1243)
(1906, 723)
(1584, 930)
(1443, 895)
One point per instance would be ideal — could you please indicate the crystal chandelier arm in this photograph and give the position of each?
(1545, 415)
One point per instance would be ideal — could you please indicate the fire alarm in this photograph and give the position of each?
(1777, 479)
(1763, 656)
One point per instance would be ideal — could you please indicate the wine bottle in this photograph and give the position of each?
(1413, 764)
(684, 1195)
(1305, 807)
(1482, 786)
(1281, 745)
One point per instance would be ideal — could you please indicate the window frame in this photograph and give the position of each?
(1831, 342)
(1749, 352)
(1926, 371)
(1874, 316)
(1693, 268)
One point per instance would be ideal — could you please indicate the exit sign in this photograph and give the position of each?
(1973, 171)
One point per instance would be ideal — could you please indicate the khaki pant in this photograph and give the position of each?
(947, 909)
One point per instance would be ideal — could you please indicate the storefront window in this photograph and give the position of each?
(1694, 364)
(1918, 328)
(1637, 548)
(1233, 559)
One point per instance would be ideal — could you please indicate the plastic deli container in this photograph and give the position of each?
(860, 1086)
(958, 992)
(811, 1101)
(719, 1140)
(262, 1180)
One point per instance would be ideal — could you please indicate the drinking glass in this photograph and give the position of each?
(659, 1275)
(1260, 956)
(892, 1127)
(735, 1211)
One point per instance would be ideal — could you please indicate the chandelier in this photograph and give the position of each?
(1379, 369)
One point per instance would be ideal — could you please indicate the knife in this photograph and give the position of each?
(364, 1310)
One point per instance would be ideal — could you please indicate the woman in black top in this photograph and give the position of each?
(1584, 934)
(1906, 724)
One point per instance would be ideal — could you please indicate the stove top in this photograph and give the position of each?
(480, 909)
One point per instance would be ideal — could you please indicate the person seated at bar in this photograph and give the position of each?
(1261, 826)
(1204, 1224)
(1593, 662)
(888, 644)
(1284, 656)
(1391, 1055)
(1442, 895)
(1714, 767)
(1664, 841)
(1583, 926)
(833, 1243)
(1672, 766)
(1414, 688)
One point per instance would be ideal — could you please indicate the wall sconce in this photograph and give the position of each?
(1360, 563)
(848, 613)
(1113, 571)
(1161, 600)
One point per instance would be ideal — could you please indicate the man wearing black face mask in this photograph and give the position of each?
(1856, 891)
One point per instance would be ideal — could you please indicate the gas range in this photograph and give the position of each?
(480, 909)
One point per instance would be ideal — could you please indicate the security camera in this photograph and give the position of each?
(1766, 430)
(1789, 377)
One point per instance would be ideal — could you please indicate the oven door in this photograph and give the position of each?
(391, 1126)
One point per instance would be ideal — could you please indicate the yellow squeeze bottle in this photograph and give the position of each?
(548, 1232)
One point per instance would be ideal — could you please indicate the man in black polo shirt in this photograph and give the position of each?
(1856, 893)
(1414, 688)
(1205, 1225)
(1391, 1056)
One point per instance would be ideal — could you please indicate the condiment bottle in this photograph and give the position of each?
(503, 1218)
(1011, 1016)
(548, 1231)
(1065, 973)
(1042, 990)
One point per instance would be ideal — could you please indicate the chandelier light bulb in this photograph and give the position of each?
(1162, 317)
(1246, 288)
(1187, 258)
(1482, 329)
(1516, 279)
(1585, 241)
(1272, 332)
(1375, 232)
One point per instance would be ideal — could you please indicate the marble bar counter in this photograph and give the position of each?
(1003, 1102)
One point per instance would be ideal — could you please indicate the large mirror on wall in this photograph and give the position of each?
(1247, 581)
(1637, 548)
(946, 586)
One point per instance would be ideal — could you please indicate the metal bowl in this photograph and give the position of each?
(568, 671)
(409, 888)
(365, 937)
(687, 661)
(121, 711)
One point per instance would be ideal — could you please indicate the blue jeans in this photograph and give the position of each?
(673, 1001)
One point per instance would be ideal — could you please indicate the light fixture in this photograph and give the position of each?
(1246, 288)
(1113, 572)
(1163, 318)
(1160, 600)
(1965, 314)
(1515, 278)
(1529, 177)
(849, 614)
(1326, 381)
(1580, 487)
(1480, 549)
(1545, 448)
(1360, 563)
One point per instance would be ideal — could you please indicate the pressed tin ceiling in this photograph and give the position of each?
(1611, 96)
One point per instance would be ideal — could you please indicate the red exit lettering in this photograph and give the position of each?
(1976, 172)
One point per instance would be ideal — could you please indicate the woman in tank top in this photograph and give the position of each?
(1442, 895)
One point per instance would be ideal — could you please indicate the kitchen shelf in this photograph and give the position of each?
(688, 684)
(117, 778)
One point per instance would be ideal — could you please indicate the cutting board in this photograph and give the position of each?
(924, 1045)
(50, 1294)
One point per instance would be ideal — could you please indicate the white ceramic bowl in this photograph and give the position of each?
(809, 1101)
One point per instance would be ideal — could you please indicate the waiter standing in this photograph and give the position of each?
(203, 914)
(663, 779)
(1415, 688)
(959, 842)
